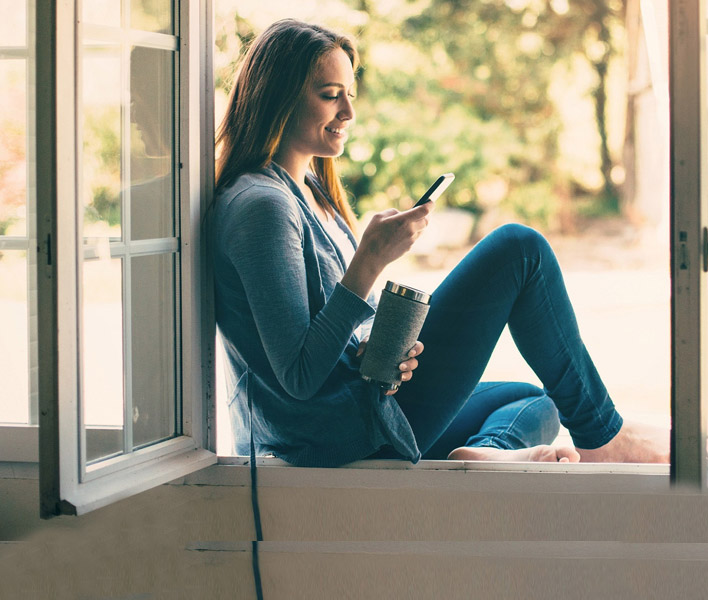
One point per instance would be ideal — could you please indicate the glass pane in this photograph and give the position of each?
(102, 337)
(14, 373)
(102, 144)
(13, 25)
(153, 347)
(151, 15)
(13, 147)
(102, 12)
(151, 143)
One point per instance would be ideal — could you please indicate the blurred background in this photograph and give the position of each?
(539, 107)
(550, 113)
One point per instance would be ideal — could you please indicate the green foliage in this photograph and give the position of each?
(463, 86)
(151, 15)
(534, 203)
(102, 166)
(5, 224)
(105, 206)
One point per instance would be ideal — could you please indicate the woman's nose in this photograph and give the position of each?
(346, 112)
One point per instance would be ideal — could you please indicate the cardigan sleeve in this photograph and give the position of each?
(263, 238)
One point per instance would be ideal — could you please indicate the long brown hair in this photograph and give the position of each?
(270, 81)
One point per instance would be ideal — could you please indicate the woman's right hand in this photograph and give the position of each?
(389, 235)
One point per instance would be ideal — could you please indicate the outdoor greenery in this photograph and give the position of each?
(466, 86)
(488, 89)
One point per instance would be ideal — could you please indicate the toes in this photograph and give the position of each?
(567, 455)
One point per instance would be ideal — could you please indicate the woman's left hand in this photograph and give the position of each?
(406, 367)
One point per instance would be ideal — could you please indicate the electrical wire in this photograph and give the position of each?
(254, 501)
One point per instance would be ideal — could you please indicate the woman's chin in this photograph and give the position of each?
(334, 153)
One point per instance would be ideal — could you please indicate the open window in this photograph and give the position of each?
(123, 155)
(689, 244)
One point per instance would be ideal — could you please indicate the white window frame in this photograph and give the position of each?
(62, 488)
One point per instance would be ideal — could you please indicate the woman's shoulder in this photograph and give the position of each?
(257, 200)
(260, 186)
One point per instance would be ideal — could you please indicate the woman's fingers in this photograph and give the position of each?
(416, 349)
(391, 233)
(408, 365)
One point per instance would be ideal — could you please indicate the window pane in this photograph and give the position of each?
(101, 186)
(14, 373)
(151, 143)
(102, 364)
(151, 15)
(128, 192)
(13, 25)
(153, 347)
(13, 147)
(102, 12)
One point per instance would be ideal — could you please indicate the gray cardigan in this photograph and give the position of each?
(288, 325)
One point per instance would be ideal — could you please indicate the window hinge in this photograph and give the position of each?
(48, 249)
(683, 251)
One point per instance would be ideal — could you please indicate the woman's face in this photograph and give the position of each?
(318, 126)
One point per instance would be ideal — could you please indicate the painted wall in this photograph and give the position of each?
(460, 535)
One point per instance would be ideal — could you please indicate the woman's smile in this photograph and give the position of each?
(338, 131)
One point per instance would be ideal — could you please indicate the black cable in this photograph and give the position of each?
(256, 570)
(254, 489)
(254, 501)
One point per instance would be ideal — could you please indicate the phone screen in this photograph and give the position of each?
(435, 190)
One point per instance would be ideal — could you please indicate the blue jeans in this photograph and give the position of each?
(510, 277)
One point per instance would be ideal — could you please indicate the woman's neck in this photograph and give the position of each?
(296, 166)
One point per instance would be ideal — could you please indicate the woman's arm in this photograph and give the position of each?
(263, 237)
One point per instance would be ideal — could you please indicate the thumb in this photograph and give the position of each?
(362, 347)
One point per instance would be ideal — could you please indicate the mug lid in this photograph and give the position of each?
(407, 292)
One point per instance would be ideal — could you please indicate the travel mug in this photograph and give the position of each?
(398, 321)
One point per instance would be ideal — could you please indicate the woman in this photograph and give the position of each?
(292, 287)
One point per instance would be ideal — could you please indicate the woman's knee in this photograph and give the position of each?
(525, 236)
(516, 241)
(546, 413)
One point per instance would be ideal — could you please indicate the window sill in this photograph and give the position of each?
(467, 475)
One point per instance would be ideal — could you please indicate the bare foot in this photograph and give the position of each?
(533, 454)
(635, 443)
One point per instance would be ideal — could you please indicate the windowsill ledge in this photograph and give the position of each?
(468, 475)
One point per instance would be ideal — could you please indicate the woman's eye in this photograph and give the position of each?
(337, 97)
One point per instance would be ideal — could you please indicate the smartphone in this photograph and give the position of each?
(436, 189)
